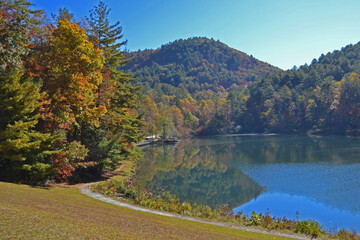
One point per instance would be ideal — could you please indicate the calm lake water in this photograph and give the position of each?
(294, 176)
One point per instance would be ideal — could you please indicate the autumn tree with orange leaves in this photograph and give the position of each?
(69, 66)
(86, 98)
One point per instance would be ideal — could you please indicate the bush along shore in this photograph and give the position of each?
(166, 201)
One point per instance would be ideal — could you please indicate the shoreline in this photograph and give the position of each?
(86, 190)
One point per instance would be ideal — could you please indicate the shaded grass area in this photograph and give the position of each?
(64, 213)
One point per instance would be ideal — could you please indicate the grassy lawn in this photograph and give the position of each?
(64, 213)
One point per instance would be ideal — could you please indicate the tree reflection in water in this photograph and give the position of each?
(196, 171)
(210, 170)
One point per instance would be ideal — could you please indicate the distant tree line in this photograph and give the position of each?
(322, 98)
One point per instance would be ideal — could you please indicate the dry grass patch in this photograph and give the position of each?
(64, 213)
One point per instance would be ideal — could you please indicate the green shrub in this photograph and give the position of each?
(255, 218)
(206, 211)
(309, 227)
(186, 208)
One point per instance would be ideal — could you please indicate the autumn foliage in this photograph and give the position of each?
(63, 109)
(71, 75)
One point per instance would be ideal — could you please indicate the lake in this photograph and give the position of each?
(294, 176)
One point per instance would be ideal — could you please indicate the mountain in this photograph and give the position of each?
(202, 86)
(195, 64)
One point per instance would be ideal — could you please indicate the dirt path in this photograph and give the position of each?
(85, 189)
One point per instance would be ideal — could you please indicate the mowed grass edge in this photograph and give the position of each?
(64, 213)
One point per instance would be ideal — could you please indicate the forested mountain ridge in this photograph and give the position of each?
(187, 85)
(197, 64)
(323, 97)
(189, 90)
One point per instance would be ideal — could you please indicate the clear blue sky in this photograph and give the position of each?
(283, 33)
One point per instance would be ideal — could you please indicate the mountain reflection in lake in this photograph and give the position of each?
(196, 172)
(316, 176)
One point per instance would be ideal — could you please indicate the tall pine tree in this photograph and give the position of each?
(121, 126)
(24, 151)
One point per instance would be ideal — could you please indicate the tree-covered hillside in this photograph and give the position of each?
(202, 86)
(186, 84)
(323, 97)
(196, 64)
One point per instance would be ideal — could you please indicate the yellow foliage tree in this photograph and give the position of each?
(72, 76)
(70, 67)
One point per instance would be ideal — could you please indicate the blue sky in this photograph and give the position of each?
(283, 33)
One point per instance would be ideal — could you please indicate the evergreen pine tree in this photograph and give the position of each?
(24, 151)
(121, 126)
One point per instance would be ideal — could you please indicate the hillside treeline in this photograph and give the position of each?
(201, 86)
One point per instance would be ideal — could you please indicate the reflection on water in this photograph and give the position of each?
(194, 173)
(293, 206)
(317, 176)
(337, 186)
